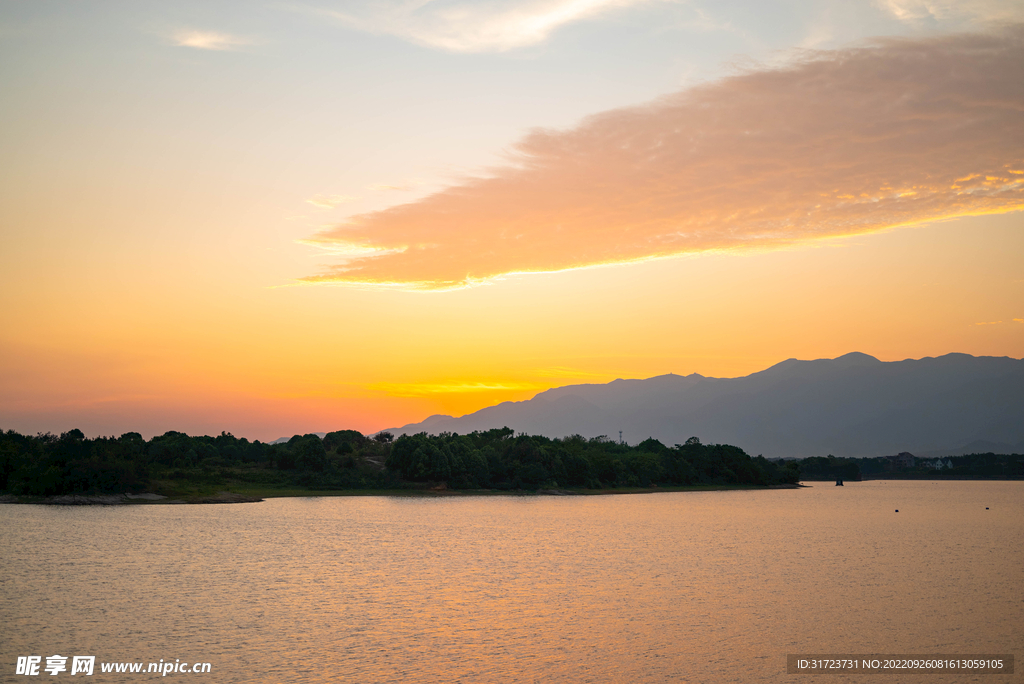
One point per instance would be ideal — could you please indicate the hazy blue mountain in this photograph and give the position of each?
(285, 440)
(978, 446)
(852, 406)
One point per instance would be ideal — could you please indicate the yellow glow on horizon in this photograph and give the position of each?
(428, 389)
(271, 361)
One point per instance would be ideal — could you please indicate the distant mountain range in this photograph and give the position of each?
(853, 406)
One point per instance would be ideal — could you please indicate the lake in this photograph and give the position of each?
(688, 586)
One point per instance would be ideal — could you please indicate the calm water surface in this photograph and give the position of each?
(701, 587)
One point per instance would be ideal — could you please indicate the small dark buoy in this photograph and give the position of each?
(897, 510)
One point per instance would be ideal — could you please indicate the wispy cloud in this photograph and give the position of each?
(390, 188)
(844, 142)
(428, 389)
(954, 10)
(818, 34)
(704, 22)
(330, 201)
(472, 26)
(209, 40)
(1015, 320)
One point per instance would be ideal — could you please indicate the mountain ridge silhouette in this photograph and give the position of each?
(854, 405)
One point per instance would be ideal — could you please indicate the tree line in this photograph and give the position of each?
(982, 466)
(497, 459)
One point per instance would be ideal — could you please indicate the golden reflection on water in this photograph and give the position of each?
(706, 587)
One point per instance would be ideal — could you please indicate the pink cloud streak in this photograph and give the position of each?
(840, 143)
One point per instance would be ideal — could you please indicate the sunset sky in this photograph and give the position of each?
(286, 217)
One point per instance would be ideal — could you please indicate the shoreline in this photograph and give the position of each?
(260, 495)
(146, 498)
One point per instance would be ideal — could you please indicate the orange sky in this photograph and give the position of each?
(179, 212)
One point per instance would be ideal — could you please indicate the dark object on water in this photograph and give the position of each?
(839, 482)
(897, 510)
(986, 508)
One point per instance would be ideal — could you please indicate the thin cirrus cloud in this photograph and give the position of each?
(209, 40)
(390, 188)
(330, 201)
(954, 10)
(841, 143)
(427, 389)
(472, 25)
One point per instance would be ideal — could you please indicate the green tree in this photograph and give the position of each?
(310, 454)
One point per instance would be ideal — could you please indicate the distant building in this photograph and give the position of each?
(904, 459)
